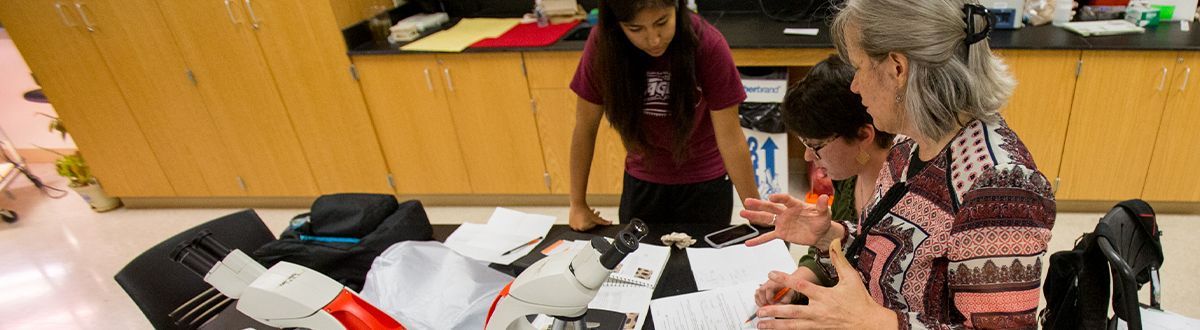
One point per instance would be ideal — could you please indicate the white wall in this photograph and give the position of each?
(17, 116)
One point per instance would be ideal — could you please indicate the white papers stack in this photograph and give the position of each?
(1102, 28)
(724, 308)
(506, 229)
(738, 264)
(1152, 319)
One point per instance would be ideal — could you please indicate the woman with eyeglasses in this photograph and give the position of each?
(842, 141)
(954, 235)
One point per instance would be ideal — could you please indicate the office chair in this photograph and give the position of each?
(171, 296)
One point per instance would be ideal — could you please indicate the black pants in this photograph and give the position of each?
(702, 202)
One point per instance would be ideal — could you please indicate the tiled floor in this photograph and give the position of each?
(57, 262)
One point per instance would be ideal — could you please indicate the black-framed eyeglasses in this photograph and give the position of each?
(816, 146)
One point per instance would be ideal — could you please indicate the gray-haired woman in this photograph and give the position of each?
(960, 219)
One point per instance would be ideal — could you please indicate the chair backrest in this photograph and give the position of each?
(1128, 236)
(171, 296)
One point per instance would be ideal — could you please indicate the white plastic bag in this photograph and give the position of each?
(425, 285)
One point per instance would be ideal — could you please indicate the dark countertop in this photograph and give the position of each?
(749, 30)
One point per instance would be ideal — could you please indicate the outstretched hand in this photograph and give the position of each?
(795, 220)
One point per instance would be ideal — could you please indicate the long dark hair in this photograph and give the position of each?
(620, 69)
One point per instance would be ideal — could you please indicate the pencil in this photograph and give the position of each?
(535, 240)
(778, 297)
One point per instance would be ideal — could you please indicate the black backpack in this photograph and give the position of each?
(1077, 283)
(368, 223)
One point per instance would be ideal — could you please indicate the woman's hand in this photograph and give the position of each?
(846, 305)
(583, 218)
(794, 220)
(765, 295)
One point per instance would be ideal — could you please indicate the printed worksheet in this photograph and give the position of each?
(720, 309)
(738, 264)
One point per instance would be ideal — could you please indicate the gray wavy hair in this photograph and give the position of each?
(941, 84)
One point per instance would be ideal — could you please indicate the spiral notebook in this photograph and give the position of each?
(643, 267)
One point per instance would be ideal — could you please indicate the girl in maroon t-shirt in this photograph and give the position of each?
(665, 79)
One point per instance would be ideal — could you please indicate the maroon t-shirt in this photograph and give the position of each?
(720, 87)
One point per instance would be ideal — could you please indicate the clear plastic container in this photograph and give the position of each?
(1062, 11)
(542, 19)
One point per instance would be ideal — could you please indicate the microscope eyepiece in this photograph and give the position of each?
(625, 243)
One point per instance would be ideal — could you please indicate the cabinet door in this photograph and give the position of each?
(1118, 103)
(1041, 105)
(492, 111)
(350, 12)
(550, 74)
(219, 44)
(414, 125)
(150, 70)
(54, 42)
(305, 52)
(1172, 175)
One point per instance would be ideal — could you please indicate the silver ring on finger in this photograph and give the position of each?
(773, 216)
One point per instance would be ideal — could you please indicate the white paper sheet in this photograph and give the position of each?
(720, 309)
(1162, 320)
(624, 299)
(505, 230)
(801, 31)
(738, 264)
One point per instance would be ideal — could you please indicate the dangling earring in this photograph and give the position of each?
(863, 157)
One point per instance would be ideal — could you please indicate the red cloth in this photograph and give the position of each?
(527, 35)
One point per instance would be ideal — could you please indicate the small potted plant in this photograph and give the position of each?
(79, 176)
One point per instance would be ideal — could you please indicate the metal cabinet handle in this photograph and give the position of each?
(58, 6)
(83, 16)
(428, 80)
(254, 22)
(449, 79)
(1162, 81)
(1186, 75)
(229, 10)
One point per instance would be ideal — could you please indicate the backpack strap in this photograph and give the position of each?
(1094, 280)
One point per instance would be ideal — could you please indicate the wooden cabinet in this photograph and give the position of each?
(350, 12)
(1041, 104)
(150, 71)
(218, 42)
(257, 98)
(407, 100)
(550, 75)
(447, 122)
(304, 49)
(493, 116)
(1172, 174)
(53, 38)
(1115, 114)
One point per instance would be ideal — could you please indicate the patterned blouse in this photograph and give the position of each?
(963, 248)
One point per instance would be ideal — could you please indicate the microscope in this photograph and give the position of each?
(562, 285)
(285, 296)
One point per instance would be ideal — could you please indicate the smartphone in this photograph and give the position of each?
(730, 236)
